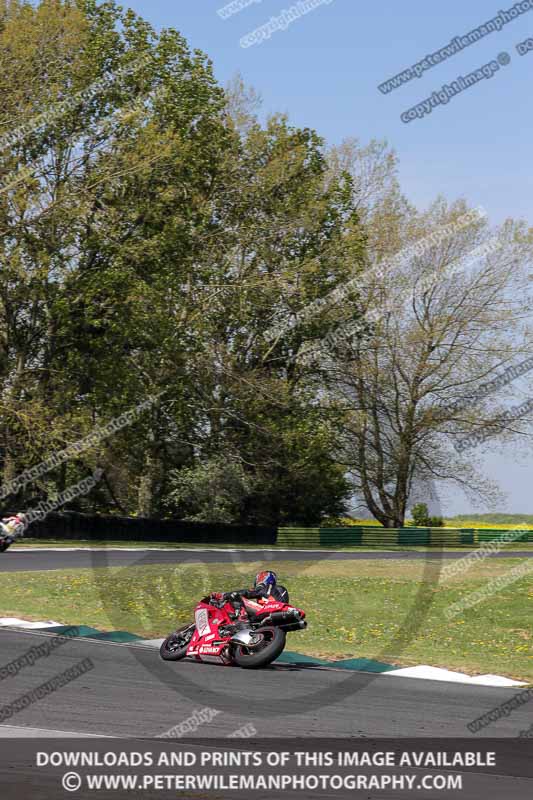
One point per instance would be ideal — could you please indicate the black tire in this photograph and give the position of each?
(250, 658)
(174, 648)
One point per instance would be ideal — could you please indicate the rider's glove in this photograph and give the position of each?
(232, 596)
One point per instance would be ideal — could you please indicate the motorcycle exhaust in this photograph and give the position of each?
(282, 618)
(295, 626)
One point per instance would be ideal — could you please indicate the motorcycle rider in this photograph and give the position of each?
(265, 585)
(11, 528)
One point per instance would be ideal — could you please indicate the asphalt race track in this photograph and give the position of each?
(18, 561)
(131, 692)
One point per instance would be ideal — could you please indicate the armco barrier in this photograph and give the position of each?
(374, 536)
(298, 537)
(492, 534)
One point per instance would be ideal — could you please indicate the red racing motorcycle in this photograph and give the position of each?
(238, 631)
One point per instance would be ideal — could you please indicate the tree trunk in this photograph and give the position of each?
(150, 483)
(145, 497)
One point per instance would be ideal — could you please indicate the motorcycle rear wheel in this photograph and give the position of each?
(174, 648)
(255, 657)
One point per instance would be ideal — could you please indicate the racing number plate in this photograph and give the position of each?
(202, 621)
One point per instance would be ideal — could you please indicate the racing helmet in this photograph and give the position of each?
(267, 578)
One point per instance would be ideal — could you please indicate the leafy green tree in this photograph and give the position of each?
(98, 240)
(153, 233)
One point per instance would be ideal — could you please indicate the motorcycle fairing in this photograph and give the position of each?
(207, 643)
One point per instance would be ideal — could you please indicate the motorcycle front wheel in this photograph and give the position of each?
(271, 643)
(174, 648)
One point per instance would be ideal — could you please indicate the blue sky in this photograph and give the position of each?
(324, 70)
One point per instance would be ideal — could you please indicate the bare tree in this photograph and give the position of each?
(447, 308)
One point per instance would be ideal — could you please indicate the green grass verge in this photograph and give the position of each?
(355, 608)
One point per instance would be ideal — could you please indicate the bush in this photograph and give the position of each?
(421, 518)
(339, 522)
(214, 491)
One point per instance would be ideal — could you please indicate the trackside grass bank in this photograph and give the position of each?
(387, 611)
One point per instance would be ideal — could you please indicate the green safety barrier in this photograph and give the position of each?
(298, 537)
(494, 535)
(374, 536)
